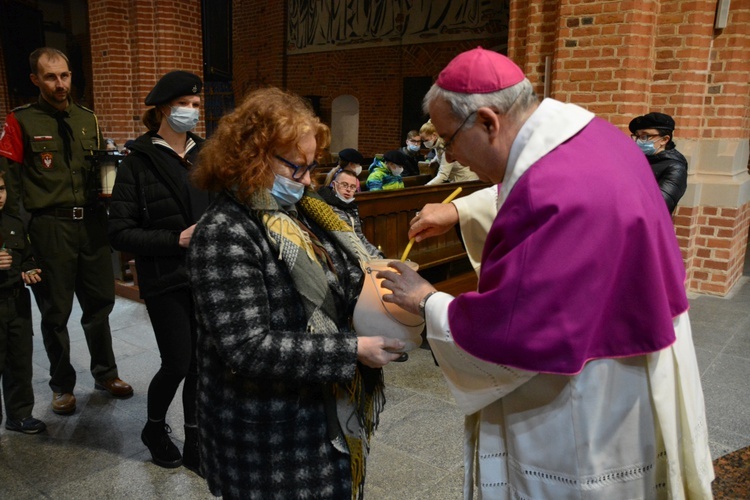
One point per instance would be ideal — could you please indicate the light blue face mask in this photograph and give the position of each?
(286, 191)
(413, 147)
(647, 147)
(183, 119)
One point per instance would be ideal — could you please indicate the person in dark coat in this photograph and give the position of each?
(17, 267)
(653, 133)
(153, 213)
(288, 395)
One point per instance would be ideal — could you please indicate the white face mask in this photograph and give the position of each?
(345, 200)
(183, 119)
(357, 169)
(397, 170)
(429, 144)
(287, 191)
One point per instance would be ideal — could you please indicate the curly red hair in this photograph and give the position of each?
(239, 154)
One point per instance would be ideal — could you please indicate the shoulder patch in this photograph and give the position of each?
(19, 108)
(85, 108)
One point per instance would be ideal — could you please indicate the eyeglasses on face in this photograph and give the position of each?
(447, 145)
(346, 186)
(643, 137)
(299, 170)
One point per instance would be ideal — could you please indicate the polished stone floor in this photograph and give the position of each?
(416, 454)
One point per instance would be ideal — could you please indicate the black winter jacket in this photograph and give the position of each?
(671, 170)
(150, 207)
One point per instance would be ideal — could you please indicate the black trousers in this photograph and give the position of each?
(16, 348)
(172, 317)
(74, 257)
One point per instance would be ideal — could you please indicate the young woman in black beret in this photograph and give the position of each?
(153, 212)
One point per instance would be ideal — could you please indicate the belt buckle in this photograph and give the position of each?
(77, 213)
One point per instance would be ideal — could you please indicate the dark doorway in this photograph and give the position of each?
(217, 61)
(22, 30)
(60, 25)
(413, 117)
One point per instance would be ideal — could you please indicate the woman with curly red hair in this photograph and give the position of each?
(288, 396)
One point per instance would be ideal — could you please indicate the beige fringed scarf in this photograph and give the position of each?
(352, 408)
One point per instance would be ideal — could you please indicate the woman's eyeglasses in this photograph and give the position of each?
(299, 170)
(643, 137)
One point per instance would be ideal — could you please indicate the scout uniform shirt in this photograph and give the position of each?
(55, 175)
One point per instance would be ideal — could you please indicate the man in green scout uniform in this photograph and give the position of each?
(46, 145)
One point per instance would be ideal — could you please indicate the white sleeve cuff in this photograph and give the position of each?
(474, 383)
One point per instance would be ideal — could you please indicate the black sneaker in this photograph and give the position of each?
(28, 425)
(163, 450)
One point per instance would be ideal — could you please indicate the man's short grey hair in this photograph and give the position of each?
(514, 100)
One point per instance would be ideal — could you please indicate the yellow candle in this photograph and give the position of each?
(411, 241)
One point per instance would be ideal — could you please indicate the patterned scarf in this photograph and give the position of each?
(352, 408)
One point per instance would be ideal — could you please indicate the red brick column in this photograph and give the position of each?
(133, 43)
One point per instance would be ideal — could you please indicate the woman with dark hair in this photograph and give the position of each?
(152, 214)
(288, 395)
(349, 159)
(653, 133)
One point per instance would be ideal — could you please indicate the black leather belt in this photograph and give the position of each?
(73, 213)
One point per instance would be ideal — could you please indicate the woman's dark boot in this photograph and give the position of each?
(191, 457)
(163, 451)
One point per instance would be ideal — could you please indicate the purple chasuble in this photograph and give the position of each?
(581, 262)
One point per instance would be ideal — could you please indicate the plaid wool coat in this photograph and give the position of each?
(261, 418)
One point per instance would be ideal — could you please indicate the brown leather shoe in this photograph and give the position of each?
(63, 403)
(115, 387)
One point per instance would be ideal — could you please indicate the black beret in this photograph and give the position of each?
(397, 157)
(651, 120)
(173, 85)
(351, 155)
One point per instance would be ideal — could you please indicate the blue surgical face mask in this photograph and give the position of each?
(287, 191)
(413, 147)
(183, 119)
(647, 147)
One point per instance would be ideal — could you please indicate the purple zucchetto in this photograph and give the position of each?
(479, 71)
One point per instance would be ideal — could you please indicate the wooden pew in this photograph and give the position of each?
(385, 222)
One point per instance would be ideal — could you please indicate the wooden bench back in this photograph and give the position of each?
(385, 222)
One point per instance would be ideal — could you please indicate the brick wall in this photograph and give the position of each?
(373, 75)
(133, 43)
(714, 242)
(258, 39)
(625, 58)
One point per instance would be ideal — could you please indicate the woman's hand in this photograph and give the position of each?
(186, 235)
(375, 352)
